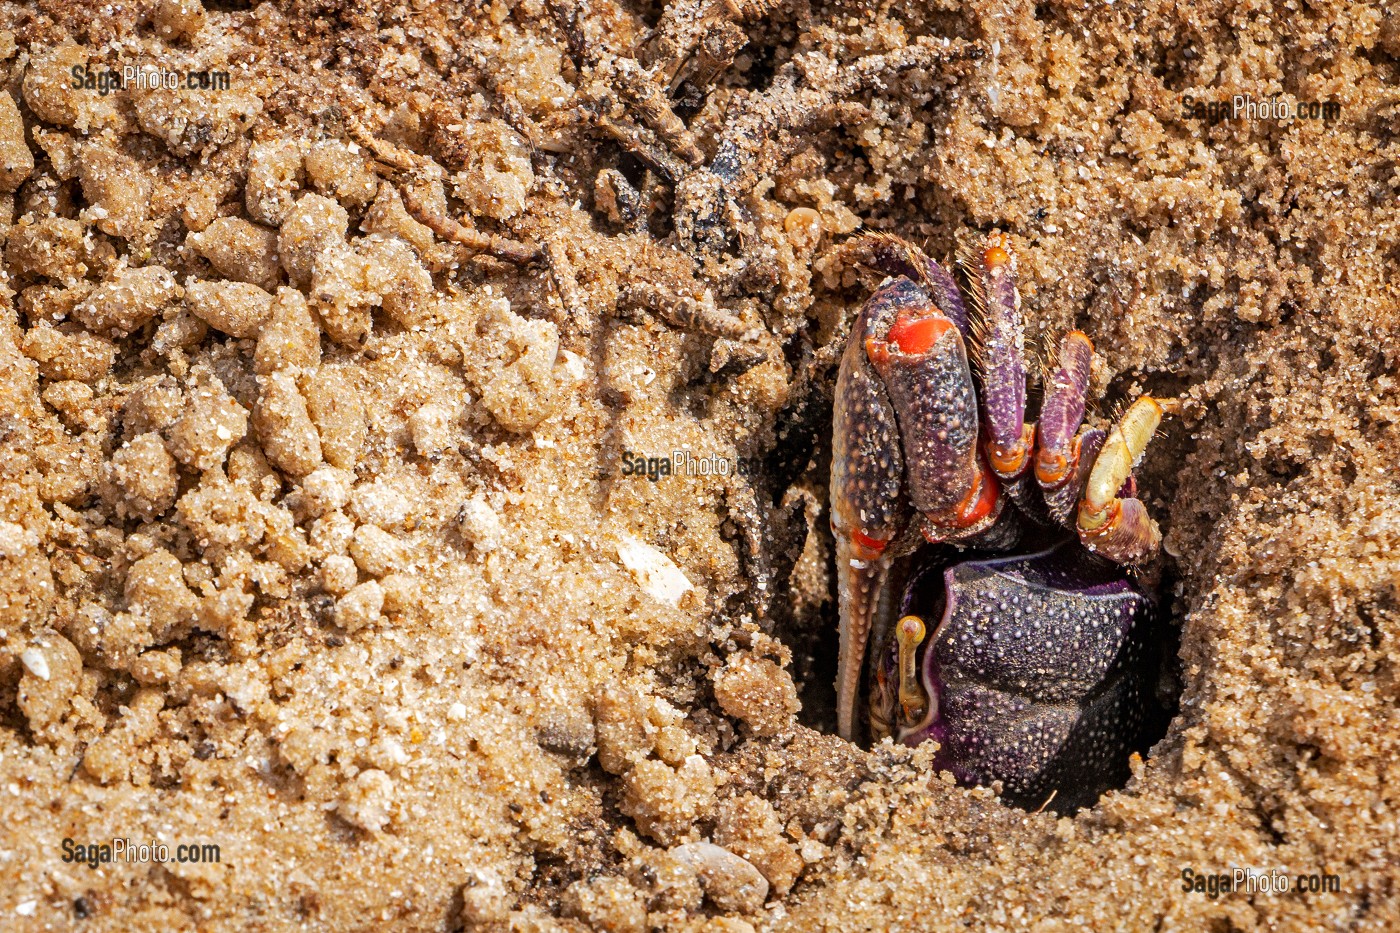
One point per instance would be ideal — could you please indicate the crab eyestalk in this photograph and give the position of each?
(1118, 527)
(909, 634)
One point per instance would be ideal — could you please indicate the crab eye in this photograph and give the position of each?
(909, 633)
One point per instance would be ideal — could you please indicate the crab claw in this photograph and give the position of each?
(923, 362)
(1111, 523)
(867, 475)
(894, 256)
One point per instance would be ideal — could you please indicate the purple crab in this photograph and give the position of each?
(987, 558)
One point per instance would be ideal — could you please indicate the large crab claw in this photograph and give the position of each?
(867, 479)
(905, 422)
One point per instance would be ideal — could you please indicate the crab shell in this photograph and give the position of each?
(1038, 671)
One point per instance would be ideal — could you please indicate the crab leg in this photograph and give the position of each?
(1003, 363)
(1116, 526)
(867, 473)
(1064, 454)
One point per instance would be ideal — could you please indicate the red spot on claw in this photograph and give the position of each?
(915, 335)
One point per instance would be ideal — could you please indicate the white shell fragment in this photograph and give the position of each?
(658, 575)
(34, 662)
(729, 881)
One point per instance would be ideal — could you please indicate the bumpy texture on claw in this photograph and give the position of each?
(867, 474)
(923, 362)
(1120, 528)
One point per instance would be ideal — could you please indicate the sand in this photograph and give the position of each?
(334, 391)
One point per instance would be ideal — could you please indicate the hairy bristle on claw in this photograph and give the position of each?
(978, 328)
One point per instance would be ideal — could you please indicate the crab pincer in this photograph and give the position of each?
(905, 424)
(923, 362)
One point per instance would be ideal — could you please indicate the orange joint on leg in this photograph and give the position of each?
(1051, 467)
(998, 252)
(866, 547)
(1010, 462)
(981, 499)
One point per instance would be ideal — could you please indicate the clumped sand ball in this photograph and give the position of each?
(758, 692)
